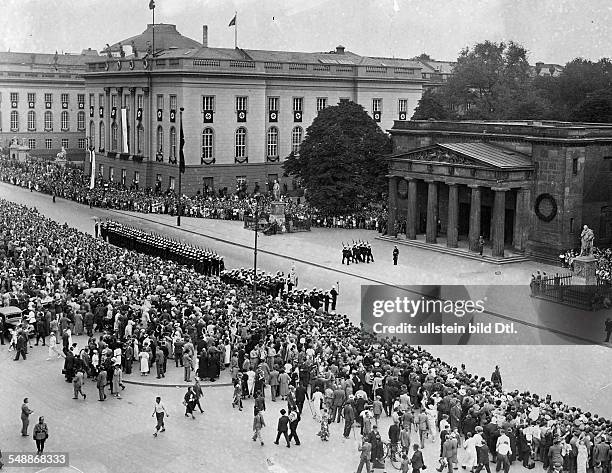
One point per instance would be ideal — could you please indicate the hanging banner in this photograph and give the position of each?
(92, 183)
(124, 130)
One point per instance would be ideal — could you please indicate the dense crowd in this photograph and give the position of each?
(150, 310)
(604, 262)
(71, 183)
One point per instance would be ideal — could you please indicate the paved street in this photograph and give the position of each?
(117, 435)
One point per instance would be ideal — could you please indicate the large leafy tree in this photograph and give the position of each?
(431, 106)
(341, 162)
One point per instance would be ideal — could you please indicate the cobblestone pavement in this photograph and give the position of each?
(117, 435)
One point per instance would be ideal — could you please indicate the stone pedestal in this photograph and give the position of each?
(584, 269)
(277, 214)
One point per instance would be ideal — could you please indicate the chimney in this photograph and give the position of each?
(339, 49)
(205, 35)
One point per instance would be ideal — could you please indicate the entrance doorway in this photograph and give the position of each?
(485, 222)
(464, 219)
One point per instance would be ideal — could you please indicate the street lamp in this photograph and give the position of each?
(257, 199)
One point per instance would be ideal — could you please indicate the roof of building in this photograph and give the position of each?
(489, 154)
(39, 59)
(166, 37)
(444, 67)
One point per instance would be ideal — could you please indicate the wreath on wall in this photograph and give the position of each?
(549, 213)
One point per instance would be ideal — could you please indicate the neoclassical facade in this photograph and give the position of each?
(525, 186)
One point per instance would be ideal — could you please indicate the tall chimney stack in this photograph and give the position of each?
(205, 35)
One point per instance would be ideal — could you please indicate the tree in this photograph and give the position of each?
(341, 160)
(423, 57)
(431, 106)
(596, 108)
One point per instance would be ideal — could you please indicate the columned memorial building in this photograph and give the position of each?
(528, 187)
(245, 110)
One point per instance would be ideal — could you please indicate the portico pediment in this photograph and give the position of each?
(440, 155)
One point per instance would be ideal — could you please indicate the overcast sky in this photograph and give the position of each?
(552, 30)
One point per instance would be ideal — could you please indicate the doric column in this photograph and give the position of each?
(499, 221)
(391, 230)
(432, 212)
(453, 216)
(475, 204)
(521, 218)
(411, 214)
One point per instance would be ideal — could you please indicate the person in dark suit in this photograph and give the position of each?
(294, 420)
(395, 255)
(300, 397)
(283, 428)
(101, 384)
(21, 347)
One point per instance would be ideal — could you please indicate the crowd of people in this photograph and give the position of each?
(276, 344)
(604, 262)
(72, 183)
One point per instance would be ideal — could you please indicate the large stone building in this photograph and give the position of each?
(42, 101)
(527, 186)
(245, 110)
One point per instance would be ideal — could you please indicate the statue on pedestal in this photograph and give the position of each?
(587, 236)
(276, 190)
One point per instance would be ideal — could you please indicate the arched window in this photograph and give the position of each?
(241, 142)
(272, 142)
(208, 143)
(114, 137)
(81, 121)
(31, 120)
(65, 121)
(172, 144)
(139, 139)
(160, 144)
(102, 138)
(297, 135)
(14, 120)
(48, 121)
(92, 134)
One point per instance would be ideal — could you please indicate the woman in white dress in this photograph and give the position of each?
(432, 415)
(470, 450)
(144, 362)
(583, 457)
(317, 401)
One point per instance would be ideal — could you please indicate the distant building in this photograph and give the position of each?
(42, 102)
(245, 110)
(543, 69)
(523, 185)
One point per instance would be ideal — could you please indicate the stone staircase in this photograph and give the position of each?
(461, 252)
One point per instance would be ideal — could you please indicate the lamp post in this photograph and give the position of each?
(257, 199)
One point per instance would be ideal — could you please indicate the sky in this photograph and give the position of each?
(553, 31)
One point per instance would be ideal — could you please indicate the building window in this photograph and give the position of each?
(272, 142)
(376, 105)
(172, 144)
(32, 143)
(297, 104)
(171, 183)
(173, 102)
(81, 143)
(160, 144)
(208, 103)
(92, 134)
(160, 102)
(139, 139)
(65, 121)
(296, 139)
(81, 101)
(241, 143)
(65, 143)
(321, 103)
(208, 144)
(100, 100)
(123, 176)
(242, 104)
(126, 101)
(14, 99)
(31, 99)
(574, 166)
(207, 185)
(48, 143)
(31, 120)
(48, 121)
(102, 138)
(14, 120)
(136, 177)
(571, 229)
(64, 99)
(111, 173)
(402, 105)
(273, 104)
(80, 121)
(92, 100)
(139, 101)
(114, 137)
(48, 100)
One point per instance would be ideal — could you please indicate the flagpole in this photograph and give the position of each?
(179, 206)
(236, 30)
